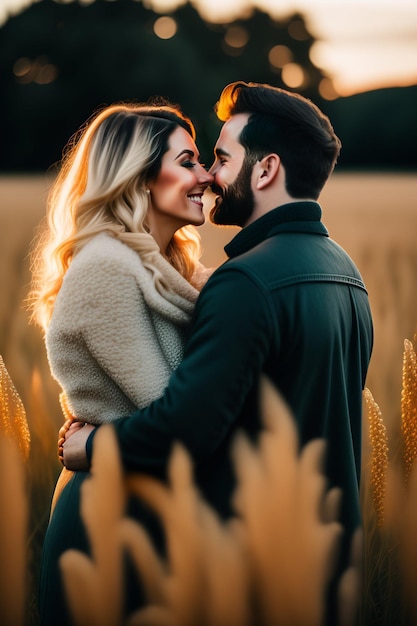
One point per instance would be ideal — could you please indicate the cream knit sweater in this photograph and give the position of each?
(113, 340)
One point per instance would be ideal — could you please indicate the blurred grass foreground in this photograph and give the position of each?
(269, 565)
(373, 216)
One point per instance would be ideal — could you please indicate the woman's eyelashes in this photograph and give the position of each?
(191, 164)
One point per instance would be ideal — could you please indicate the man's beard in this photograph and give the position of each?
(236, 204)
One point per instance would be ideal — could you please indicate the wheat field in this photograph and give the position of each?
(372, 215)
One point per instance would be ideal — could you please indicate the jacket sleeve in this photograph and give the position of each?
(229, 342)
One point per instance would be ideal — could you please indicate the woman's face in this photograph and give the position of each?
(177, 192)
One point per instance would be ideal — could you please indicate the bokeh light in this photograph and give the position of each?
(236, 36)
(279, 56)
(297, 30)
(165, 27)
(293, 75)
(235, 39)
(38, 70)
(327, 90)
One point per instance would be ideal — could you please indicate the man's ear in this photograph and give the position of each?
(267, 171)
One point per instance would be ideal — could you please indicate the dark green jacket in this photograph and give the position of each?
(290, 303)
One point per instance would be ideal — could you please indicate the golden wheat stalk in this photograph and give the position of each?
(13, 534)
(14, 451)
(408, 545)
(271, 564)
(205, 579)
(409, 407)
(379, 460)
(280, 497)
(94, 586)
(13, 421)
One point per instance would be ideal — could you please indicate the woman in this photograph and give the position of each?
(116, 280)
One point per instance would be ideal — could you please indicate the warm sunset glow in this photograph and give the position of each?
(364, 69)
(165, 27)
(366, 45)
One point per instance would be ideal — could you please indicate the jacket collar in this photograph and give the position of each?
(292, 217)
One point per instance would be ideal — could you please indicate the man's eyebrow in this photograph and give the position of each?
(221, 152)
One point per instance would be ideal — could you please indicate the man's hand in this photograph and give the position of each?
(61, 438)
(70, 426)
(73, 448)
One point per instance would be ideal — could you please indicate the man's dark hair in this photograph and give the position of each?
(286, 124)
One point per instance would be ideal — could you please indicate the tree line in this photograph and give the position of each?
(60, 61)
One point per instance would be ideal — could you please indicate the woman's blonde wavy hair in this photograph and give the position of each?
(101, 186)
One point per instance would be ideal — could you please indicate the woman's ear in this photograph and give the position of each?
(268, 168)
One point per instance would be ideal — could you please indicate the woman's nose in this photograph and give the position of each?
(205, 176)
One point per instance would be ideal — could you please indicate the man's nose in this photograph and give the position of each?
(213, 169)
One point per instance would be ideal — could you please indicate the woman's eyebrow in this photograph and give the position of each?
(189, 152)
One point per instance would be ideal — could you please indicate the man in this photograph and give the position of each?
(289, 303)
